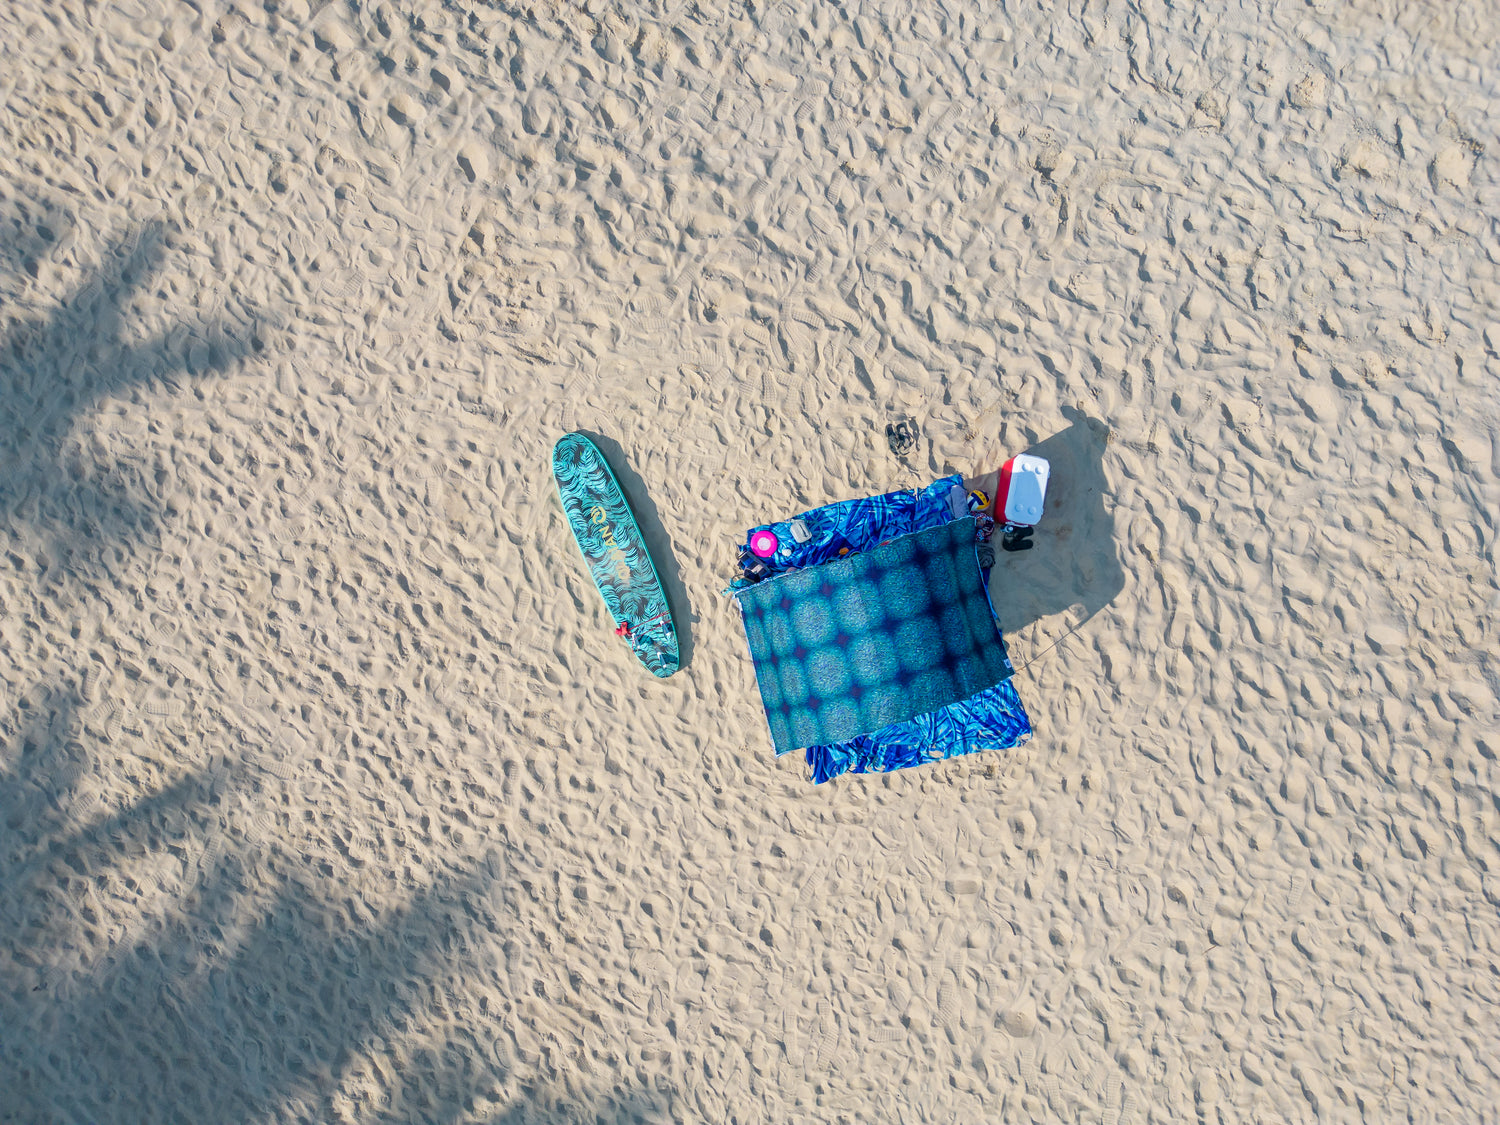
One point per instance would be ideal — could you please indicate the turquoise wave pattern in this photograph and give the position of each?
(615, 551)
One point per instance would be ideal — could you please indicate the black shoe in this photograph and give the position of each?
(1015, 538)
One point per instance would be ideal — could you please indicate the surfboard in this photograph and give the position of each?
(615, 551)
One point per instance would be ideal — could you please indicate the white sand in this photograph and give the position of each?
(329, 795)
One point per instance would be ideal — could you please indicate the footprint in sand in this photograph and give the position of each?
(948, 1005)
(811, 885)
(900, 995)
(250, 1067)
(1026, 1064)
(828, 1038)
(115, 724)
(963, 885)
(1052, 1089)
(1296, 891)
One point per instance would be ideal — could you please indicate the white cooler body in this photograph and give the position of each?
(1023, 490)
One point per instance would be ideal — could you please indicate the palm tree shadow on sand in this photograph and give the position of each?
(264, 990)
(158, 968)
(58, 370)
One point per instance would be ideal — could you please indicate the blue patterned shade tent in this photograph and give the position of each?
(888, 655)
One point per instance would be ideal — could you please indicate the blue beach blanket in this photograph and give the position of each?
(990, 719)
(873, 639)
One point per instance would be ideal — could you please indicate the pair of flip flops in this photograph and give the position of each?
(1014, 537)
(901, 436)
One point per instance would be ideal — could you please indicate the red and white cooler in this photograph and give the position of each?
(1022, 490)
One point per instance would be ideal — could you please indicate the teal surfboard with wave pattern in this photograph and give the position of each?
(615, 552)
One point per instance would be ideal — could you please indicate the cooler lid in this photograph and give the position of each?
(1027, 491)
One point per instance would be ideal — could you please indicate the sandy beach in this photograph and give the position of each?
(327, 792)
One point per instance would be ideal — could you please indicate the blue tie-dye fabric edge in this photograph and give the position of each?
(993, 719)
(852, 526)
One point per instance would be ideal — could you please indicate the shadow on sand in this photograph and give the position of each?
(157, 964)
(248, 985)
(1073, 565)
(55, 371)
